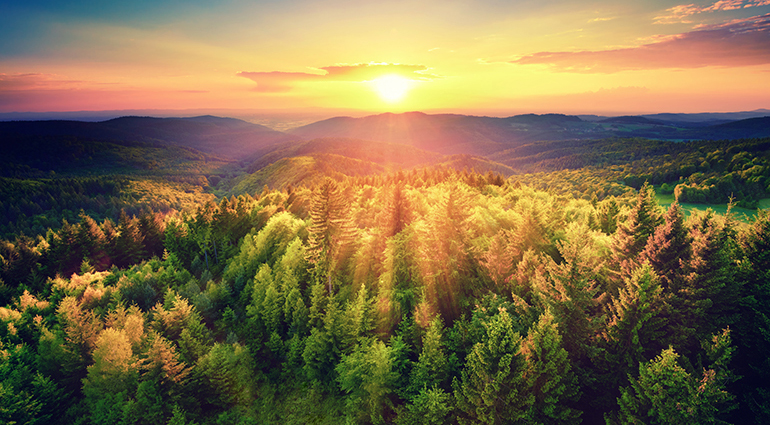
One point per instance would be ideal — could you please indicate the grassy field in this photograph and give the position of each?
(743, 214)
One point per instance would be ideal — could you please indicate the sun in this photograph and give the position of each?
(392, 88)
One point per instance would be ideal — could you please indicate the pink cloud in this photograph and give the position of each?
(680, 13)
(277, 81)
(34, 81)
(742, 42)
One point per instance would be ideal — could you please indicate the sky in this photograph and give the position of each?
(493, 57)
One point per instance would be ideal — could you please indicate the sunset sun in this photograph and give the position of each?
(392, 88)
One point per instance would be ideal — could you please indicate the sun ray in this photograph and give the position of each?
(392, 88)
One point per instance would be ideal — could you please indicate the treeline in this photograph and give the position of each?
(31, 207)
(37, 156)
(431, 296)
(705, 171)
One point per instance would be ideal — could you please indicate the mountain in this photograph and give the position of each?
(477, 164)
(392, 155)
(627, 119)
(483, 136)
(226, 137)
(303, 170)
(448, 133)
(711, 118)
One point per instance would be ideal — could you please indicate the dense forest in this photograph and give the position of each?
(423, 296)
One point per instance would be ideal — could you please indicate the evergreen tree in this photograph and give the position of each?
(752, 332)
(668, 248)
(330, 232)
(492, 388)
(631, 236)
(129, 242)
(367, 376)
(635, 331)
(665, 393)
(430, 371)
(548, 375)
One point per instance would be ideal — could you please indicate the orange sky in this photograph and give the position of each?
(494, 57)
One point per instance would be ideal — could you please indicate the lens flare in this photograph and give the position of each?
(392, 88)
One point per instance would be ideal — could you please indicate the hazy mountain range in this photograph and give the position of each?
(375, 143)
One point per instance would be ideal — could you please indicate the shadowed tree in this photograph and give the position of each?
(752, 332)
(367, 376)
(330, 232)
(129, 243)
(548, 375)
(665, 393)
(631, 236)
(492, 388)
(668, 249)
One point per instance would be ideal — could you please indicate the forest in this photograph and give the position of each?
(426, 296)
(212, 271)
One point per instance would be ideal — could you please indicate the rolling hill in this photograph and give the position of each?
(483, 136)
(225, 137)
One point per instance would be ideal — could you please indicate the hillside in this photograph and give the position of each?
(304, 170)
(226, 137)
(389, 155)
(446, 134)
(461, 134)
(390, 299)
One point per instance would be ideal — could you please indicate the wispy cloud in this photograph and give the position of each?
(278, 81)
(741, 42)
(681, 13)
(34, 81)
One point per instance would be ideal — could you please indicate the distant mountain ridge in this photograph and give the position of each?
(226, 137)
(365, 145)
(463, 134)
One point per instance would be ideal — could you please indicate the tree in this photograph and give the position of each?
(367, 376)
(665, 393)
(548, 375)
(430, 406)
(129, 244)
(430, 371)
(227, 375)
(330, 231)
(752, 330)
(491, 388)
(668, 248)
(636, 325)
(398, 212)
(631, 236)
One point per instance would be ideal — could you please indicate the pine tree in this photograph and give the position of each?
(631, 236)
(636, 328)
(431, 368)
(548, 375)
(752, 331)
(367, 376)
(499, 258)
(330, 232)
(668, 249)
(665, 393)
(398, 211)
(129, 243)
(491, 388)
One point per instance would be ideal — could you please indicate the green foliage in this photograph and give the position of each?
(431, 406)
(665, 393)
(426, 296)
(548, 375)
(367, 376)
(491, 388)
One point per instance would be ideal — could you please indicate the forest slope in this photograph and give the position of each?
(428, 296)
(226, 137)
